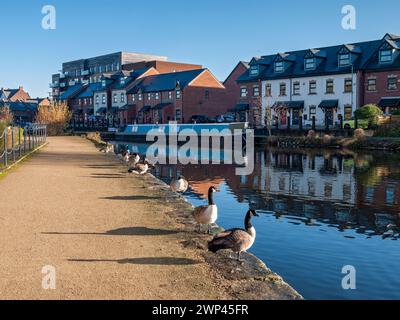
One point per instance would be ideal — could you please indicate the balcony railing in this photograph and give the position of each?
(85, 72)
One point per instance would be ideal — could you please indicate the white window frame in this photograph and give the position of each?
(309, 64)
(243, 92)
(381, 56)
(341, 60)
(279, 66)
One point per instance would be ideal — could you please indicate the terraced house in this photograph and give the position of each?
(85, 71)
(177, 96)
(320, 86)
(100, 88)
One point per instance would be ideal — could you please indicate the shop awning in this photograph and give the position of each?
(389, 102)
(240, 107)
(101, 110)
(289, 104)
(329, 104)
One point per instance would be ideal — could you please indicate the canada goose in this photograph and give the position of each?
(109, 148)
(180, 185)
(238, 240)
(134, 159)
(140, 168)
(124, 153)
(207, 214)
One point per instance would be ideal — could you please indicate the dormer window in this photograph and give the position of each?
(122, 81)
(344, 60)
(279, 67)
(103, 83)
(254, 71)
(385, 56)
(309, 64)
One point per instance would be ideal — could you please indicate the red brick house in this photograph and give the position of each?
(127, 112)
(177, 96)
(233, 92)
(14, 95)
(250, 99)
(381, 78)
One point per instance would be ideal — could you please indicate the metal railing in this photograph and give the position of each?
(15, 142)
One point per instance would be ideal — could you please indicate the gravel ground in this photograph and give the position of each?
(105, 232)
(111, 235)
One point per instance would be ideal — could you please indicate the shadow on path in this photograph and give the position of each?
(131, 231)
(159, 261)
(124, 198)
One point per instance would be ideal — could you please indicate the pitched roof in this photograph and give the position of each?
(20, 106)
(130, 77)
(8, 93)
(166, 81)
(327, 60)
(71, 91)
(89, 90)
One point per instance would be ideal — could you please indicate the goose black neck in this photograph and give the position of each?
(211, 198)
(247, 221)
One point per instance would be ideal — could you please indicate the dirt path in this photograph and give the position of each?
(105, 232)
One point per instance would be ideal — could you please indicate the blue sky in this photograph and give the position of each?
(214, 33)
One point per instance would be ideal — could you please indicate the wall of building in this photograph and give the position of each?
(255, 102)
(312, 100)
(232, 87)
(382, 90)
(98, 100)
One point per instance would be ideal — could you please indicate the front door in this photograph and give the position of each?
(283, 116)
(329, 117)
(295, 117)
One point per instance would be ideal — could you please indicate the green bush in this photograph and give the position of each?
(396, 112)
(370, 112)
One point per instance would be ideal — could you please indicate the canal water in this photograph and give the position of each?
(320, 210)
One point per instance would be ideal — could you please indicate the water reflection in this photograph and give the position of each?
(315, 192)
(344, 189)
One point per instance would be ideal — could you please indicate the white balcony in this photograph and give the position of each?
(62, 76)
(62, 85)
(85, 72)
(71, 83)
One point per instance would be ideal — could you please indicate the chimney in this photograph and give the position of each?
(21, 88)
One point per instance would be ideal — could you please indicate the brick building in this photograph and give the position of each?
(381, 77)
(321, 85)
(23, 107)
(176, 96)
(85, 71)
(14, 95)
(238, 107)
